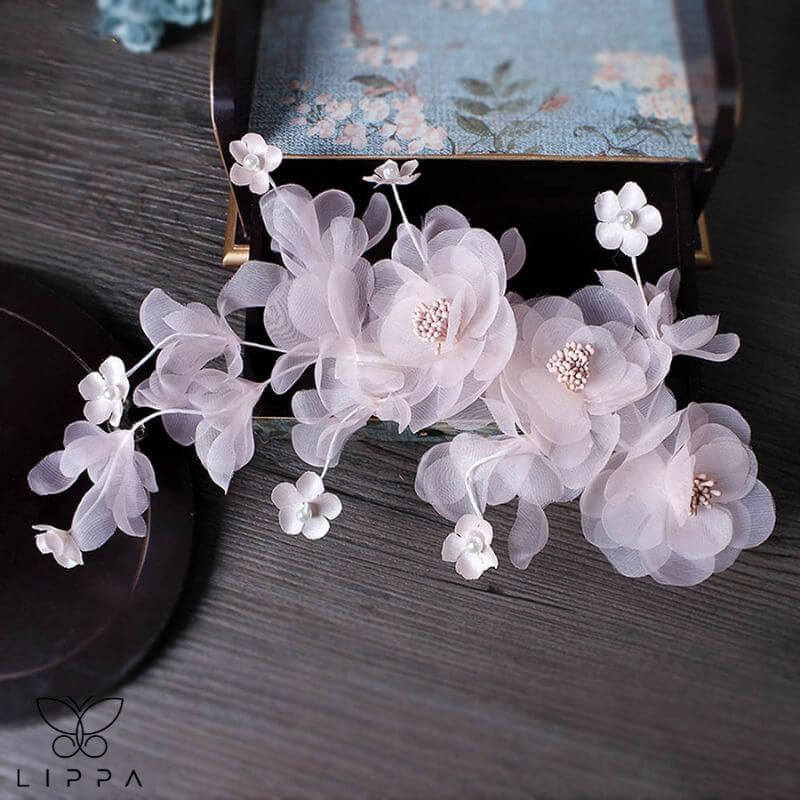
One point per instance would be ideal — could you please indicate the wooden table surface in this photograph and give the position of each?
(360, 665)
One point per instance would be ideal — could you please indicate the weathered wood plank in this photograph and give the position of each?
(359, 665)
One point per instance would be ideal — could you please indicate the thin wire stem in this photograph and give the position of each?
(142, 361)
(156, 414)
(479, 463)
(262, 346)
(193, 412)
(333, 441)
(407, 223)
(638, 278)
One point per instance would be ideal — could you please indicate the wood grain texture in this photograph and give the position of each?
(360, 666)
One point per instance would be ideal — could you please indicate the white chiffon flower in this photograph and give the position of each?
(305, 507)
(255, 159)
(105, 392)
(122, 480)
(683, 502)
(390, 174)
(656, 313)
(441, 315)
(324, 299)
(190, 336)
(59, 544)
(469, 546)
(473, 471)
(577, 362)
(625, 220)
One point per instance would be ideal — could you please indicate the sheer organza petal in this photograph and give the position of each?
(514, 251)
(528, 534)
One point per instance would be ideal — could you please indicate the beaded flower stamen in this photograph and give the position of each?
(570, 365)
(430, 321)
(703, 492)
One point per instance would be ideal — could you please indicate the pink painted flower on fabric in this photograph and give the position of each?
(440, 313)
(684, 502)
(625, 220)
(255, 160)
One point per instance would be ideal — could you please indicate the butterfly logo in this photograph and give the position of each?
(80, 731)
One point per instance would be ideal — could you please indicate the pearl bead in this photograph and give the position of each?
(626, 218)
(304, 513)
(474, 545)
(109, 393)
(252, 162)
(391, 170)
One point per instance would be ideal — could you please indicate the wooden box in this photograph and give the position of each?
(519, 112)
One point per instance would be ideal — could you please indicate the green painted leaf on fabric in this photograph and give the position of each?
(476, 107)
(476, 87)
(501, 72)
(512, 106)
(517, 86)
(521, 127)
(373, 81)
(473, 125)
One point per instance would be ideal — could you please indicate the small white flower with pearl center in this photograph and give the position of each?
(625, 221)
(305, 507)
(570, 365)
(390, 174)
(430, 321)
(255, 159)
(105, 392)
(469, 547)
(703, 492)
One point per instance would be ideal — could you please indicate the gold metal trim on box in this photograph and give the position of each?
(702, 256)
(233, 254)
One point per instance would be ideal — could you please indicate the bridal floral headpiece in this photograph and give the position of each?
(574, 387)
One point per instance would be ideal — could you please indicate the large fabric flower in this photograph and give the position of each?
(470, 472)
(353, 383)
(122, 480)
(217, 420)
(441, 313)
(656, 313)
(224, 437)
(625, 220)
(576, 363)
(683, 503)
(305, 507)
(324, 299)
(105, 392)
(192, 335)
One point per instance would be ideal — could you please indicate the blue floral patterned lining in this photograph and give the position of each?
(552, 77)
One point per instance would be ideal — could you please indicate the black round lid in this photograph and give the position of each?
(72, 632)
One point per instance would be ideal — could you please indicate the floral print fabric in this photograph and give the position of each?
(352, 77)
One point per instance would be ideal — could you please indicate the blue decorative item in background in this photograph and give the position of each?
(140, 24)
